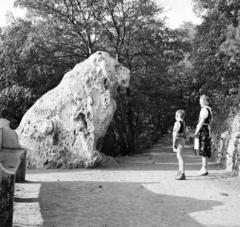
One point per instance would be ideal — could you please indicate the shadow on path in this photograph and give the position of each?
(105, 204)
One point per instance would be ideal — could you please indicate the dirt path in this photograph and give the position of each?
(140, 192)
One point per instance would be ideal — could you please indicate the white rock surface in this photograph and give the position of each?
(63, 127)
(233, 149)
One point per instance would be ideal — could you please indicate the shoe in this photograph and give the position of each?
(203, 173)
(181, 176)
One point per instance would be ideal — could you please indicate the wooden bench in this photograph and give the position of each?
(12, 169)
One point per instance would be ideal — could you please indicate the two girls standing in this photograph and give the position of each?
(203, 131)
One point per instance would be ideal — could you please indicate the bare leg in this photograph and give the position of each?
(204, 163)
(180, 160)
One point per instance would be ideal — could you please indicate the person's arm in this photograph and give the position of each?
(176, 129)
(203, 116)
(210, 124)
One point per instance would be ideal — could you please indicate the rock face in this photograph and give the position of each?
(227, 145)
(233, 149)
(63, 127)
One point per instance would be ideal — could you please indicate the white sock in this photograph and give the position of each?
(203, 170)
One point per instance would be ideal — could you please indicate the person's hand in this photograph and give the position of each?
(195, 135)
(174, 147)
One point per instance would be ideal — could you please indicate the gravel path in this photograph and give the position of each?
(140, 192)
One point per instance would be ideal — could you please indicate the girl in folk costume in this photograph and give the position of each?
(203, 131)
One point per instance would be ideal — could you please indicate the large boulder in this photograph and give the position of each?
(63, 128)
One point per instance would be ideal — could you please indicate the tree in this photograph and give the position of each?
(29, 66)
(213, 71)
(74, 18)
(38, 50)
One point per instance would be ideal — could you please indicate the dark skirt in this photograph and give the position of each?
(204, 142)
